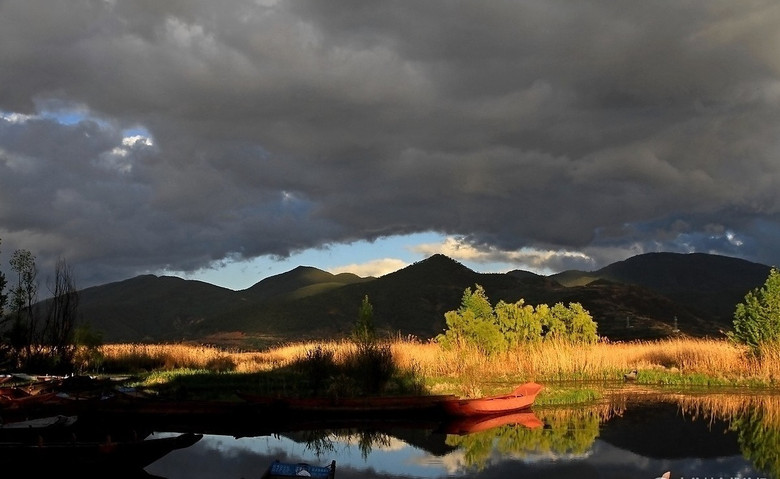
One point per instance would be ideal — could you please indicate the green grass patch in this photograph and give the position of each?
(555, 396)
(676, 378)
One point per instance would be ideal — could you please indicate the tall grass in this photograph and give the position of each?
(671, 360)
(679, 361)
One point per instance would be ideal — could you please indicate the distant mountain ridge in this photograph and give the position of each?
(638, 298)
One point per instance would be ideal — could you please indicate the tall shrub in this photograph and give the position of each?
(473, 323)
(491, 330)
(363, 332)
(371, 366)
(518, 323)
(757, 318)
(576, 322)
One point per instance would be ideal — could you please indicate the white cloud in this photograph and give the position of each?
(14, 117)
(376, 268)
(182, 124)
(531, 259)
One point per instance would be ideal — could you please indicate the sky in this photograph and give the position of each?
(230, 141)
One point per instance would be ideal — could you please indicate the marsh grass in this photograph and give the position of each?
(466, 371)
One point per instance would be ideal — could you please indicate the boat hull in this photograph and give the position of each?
(520, 399)
(133, 454)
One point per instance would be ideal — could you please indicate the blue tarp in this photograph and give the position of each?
(288, 469)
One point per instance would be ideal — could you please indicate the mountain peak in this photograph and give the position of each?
(434, 268)
(700, 290)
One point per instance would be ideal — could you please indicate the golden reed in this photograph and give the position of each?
(550, 360)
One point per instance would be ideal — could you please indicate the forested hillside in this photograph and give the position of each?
(639, 298)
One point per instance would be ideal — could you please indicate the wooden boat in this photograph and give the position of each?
(521, 398)
(12, 392)
(463, 425)
(279, 469)
(18, 399)
(40, 422)
(130, 454)
(58, 426)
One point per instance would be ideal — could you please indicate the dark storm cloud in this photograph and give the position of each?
(139, 135)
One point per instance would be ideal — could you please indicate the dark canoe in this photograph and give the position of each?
(520, 399)
(68, 454)
(279, 469)
(16, 399)
(50, 427)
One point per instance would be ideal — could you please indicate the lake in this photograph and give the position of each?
(635, 432)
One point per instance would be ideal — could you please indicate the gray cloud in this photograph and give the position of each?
(595, 126)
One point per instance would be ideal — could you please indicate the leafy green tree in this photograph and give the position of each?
(576, 322)
(518, 323)
(364, 332)
(491, 330)
(757, 318)
(371, 366)
(474, 323)
(553, 324)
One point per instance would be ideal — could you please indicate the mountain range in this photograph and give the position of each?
(647, 296)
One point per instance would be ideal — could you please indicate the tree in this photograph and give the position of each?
(553, 325)
(59, 327)
(372, 365)
(491, 330)
(24, 297)
(518, 323)
(757, 318)
(41, 335)
(574, 323)
(363, 333)
(473, 323)
(3, 295)
(4, 348)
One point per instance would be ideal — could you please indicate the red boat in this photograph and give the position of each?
(521, 398)
(16, 398)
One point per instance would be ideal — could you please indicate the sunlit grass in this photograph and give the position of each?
(685, 361)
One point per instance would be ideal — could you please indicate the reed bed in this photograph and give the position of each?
(545, 361)
(601, 361)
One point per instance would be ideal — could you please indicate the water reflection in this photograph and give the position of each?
(755, 419)
(631, 435)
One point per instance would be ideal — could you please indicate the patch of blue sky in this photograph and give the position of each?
(365, 258)
(67, 117)
(374, 258)
(136, 131)
(76, 115)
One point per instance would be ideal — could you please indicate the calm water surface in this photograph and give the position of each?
(635, 434)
